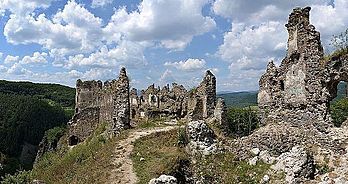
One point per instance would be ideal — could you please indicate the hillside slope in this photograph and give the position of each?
(27, 110)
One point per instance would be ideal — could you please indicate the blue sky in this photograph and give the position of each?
(158, 41)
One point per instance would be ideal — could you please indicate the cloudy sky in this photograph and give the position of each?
(158, 41)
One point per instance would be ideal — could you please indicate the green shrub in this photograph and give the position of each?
(322, 169)
(55, 133)
(241, 121)
(339, 111)
(87, 162)
(21, 177)
(340, 41)
(182, 137)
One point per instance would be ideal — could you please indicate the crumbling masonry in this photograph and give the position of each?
(114, 104)
(97, 103)
(299, 91)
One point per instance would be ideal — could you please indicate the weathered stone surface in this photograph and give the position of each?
(176, 102)
(220, 112)
(38, 182)
(158, 103)
(266, 157)
(265, 179)
(300, 89)
(97, 103)
(296, 164)
(202, 100)
(46, 146)
(164, 179)
(253, 161)
(201, 138)
(255, 151)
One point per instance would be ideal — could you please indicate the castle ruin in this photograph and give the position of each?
(299, 91)
(97, 103)
(116, 105)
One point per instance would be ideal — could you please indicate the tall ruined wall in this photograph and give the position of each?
(97, 103)
(87, 94)
(156, 102)
(121, 105)
(202, 100)
(115, 104)
(175, 101)
(300, 89)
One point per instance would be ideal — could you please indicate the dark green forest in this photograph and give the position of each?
(239, 99)
(27, 110)
(54, 93)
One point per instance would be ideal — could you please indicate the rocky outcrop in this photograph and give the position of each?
(201, 138)
(220, 113)
(164, 179)
(296, 164)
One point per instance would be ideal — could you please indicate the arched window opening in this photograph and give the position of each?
(73, 140)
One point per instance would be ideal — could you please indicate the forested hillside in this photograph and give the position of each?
(63, 95)
(27, 110)
(239, 99)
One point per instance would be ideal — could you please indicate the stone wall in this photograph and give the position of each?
(202, 100)
(155, 102)
(82, 125)
(114, 104)
(97, 103)
(300, 89)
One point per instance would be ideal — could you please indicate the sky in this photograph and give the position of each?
(158, 41)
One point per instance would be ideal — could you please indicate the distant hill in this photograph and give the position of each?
(245, 99)
(27, 110)
(239, 99)
(63, 95)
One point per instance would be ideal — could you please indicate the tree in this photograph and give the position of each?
(340, 41)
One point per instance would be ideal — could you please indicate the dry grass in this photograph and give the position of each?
(88, 162)
(161, 154)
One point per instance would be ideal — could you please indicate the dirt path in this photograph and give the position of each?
(123, 172)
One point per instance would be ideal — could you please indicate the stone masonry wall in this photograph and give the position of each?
(300, 89)
(97, 103)
(202, 100)
(114, 104)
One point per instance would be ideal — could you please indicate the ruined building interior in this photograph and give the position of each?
(116, 105)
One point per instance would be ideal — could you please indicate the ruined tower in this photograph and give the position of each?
(295, 92)
(202, 100)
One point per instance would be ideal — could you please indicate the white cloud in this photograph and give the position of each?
(253, 42)
(269, 10)
(127, 53)
(188, 65)
(1, 55)
(11, 59)
(36, 58)
(73, 30)
(17, 69)
(171, 23)
(21, 8)
(100, 3)
(166, 77)
(330, 19)
(3, 69)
